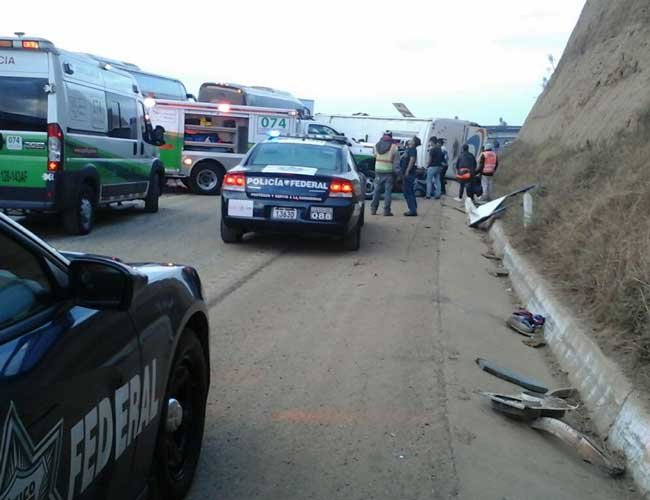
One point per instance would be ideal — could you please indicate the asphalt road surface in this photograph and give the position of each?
(343, 375)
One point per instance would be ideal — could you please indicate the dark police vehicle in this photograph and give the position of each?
(104, 374)
(298, 185)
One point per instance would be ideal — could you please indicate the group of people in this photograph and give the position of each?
(474, 178)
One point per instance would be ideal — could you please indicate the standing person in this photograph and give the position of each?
(385, 152)
(445, 167)
(487, 167)
(465, 171)
(434, 169)
(408, 170)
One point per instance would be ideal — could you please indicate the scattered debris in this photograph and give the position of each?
(585, 448)
(499, 273)
(564, 393)
(535, 341)
(526, 323)
(527, 406)
(491, 256)
(490, 209)
(511, 376)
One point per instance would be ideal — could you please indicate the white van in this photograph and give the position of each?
(73, 135)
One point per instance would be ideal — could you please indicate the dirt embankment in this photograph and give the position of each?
(587, 144)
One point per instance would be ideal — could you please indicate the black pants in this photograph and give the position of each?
(443, 179)
(461, 188)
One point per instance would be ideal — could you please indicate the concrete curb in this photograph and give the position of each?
(619, 412)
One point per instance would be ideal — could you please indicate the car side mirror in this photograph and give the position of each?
(99, 283)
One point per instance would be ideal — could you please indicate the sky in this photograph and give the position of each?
(474, 59)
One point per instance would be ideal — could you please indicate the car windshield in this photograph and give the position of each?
(23, 104)
(324, 158)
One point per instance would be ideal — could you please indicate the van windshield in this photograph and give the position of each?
(23, 104)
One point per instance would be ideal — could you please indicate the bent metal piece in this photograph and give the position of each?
(586, 450)
(511, 376)
(484, 212)
(528, 406)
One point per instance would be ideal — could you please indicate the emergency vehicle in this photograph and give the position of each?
(204, 140)
(73, 135)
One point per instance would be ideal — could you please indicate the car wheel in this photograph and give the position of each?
(80, 218)
(206, 178)
(370, 184)
(352, 240)
(153, 195)
(182, 420)
(229, 235)
(362, 217)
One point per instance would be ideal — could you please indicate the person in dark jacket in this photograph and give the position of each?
(409, 168)
(445, 167)
(465, 171)
(434, 169)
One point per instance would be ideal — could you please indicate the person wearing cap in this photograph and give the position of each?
(487, 167)
(408, 171)
(385, 153)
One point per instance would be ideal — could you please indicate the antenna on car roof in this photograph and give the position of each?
(19, 34)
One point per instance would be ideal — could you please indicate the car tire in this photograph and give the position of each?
(230, 235)
(206, 178)
(352, 240)
(370, 185)
(362, 217)
(80, 218)
(153, 195)
(177, 451)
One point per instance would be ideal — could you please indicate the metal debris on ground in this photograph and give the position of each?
(491, 256)
(511, 376)
(528, 406)
(564, 393)
(480, 214)
(535, 341)
(498, 273)
(586, 449)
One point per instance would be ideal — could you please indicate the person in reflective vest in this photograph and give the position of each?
(385, 153)
(487, 166)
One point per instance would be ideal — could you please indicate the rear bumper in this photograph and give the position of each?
(26, 198)
(346, 217)
(37, 206)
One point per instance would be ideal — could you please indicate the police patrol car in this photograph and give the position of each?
(104, 374)
(298, 185)
(73, 135)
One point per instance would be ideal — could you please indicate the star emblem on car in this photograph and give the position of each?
(28, 470)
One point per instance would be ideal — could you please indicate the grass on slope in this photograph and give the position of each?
(591, 234)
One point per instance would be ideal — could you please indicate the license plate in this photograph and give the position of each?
(14, 143)
(284, 213)
(240, 208)
(322, 213)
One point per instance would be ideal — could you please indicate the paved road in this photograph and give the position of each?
(351, 375)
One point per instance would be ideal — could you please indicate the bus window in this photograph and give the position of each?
(160, 87)
(217, 94)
